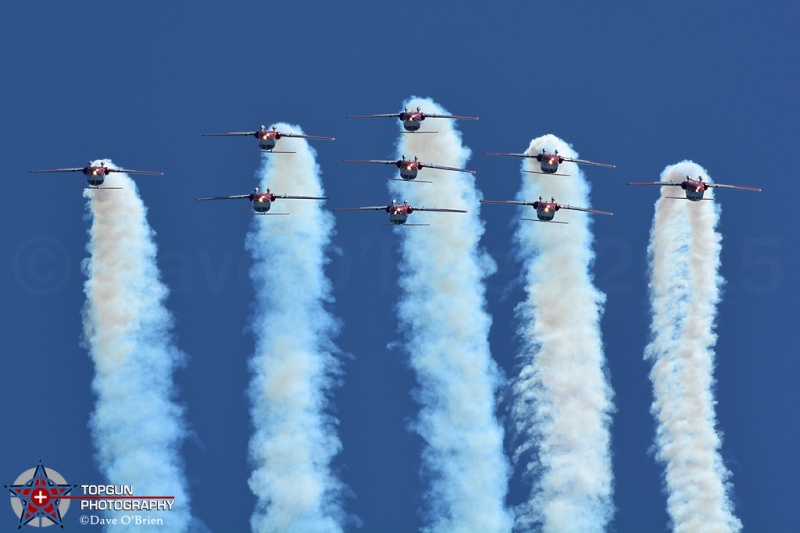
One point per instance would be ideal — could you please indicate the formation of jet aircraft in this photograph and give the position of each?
(547, 164)
(409, 169)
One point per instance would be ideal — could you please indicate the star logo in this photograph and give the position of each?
(36, 494)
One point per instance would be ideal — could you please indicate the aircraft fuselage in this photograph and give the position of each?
(549, 163)
(95, 175)
(694, 190)
(408, 169)
(262, 202)
(411, 121)
(411, 125)
(545, 210)
(398, 214)
(267, 139)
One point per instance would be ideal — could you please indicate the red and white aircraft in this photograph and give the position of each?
(398, 214)
(412, 120)
(545, 211)
(262, 201)
(408, 168)
(549, 162)
(267, 139)
(96, 174)
(694, 189)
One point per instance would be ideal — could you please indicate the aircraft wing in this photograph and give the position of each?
(232, 133)
(587, 162)
(58, 170)
(439, 210)
(236, 197)
(448, 168)
(512, 202)
(545, 221)
(297, 135)
(387, 115)
(290, 197)
(372, 208)
(382, 161)
(662, 183)
(127, 171)
(544, 173)
(508, 154)
(584, 209)
(434, 115)
(742, 187)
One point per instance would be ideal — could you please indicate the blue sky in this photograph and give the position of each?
(637, 85)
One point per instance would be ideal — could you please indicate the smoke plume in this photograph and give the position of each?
(442, 311)
(562, 398)
(685, 286)
(295, 364)
(137, 426)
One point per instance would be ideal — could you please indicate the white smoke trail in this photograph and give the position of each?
(137, 426)
(563, 401)
(442, 310)
(685, 289)
(294, 366)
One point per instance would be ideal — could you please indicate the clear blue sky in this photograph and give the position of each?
(637, 85)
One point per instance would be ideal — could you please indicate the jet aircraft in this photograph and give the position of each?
(549, 162)
(398, 213)
(412, 120)
(267, 139)
(694, 189)
(408, 168)
(96, 174)
(546, 211)
(262, 201)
